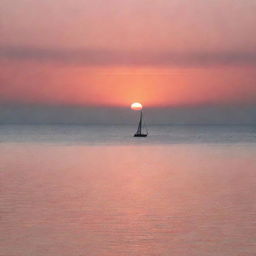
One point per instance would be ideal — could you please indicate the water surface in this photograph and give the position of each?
(95, 191)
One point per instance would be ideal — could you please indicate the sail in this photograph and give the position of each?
(140, 124)
(139, 132)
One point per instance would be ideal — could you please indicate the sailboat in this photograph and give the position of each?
(139, 132)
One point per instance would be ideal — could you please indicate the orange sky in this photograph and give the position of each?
(97, 52)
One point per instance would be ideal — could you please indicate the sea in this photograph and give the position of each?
(95, 190)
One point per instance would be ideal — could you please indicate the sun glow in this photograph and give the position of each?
(136, 106)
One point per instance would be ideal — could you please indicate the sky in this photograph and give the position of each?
(98, 53)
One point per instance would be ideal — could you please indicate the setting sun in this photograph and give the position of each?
(136, 106)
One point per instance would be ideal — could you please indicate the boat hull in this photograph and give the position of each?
(140, 135)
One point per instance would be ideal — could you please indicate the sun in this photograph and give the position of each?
(136, 106)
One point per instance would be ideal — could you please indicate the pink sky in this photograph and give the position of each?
(98, 52)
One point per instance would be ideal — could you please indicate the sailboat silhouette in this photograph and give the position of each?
(139, 132)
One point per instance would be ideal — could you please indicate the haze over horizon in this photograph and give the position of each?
(102, 115)
(59, 55)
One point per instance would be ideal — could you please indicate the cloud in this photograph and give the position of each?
(101, 57)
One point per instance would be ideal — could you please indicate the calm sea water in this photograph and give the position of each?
(97, 191)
